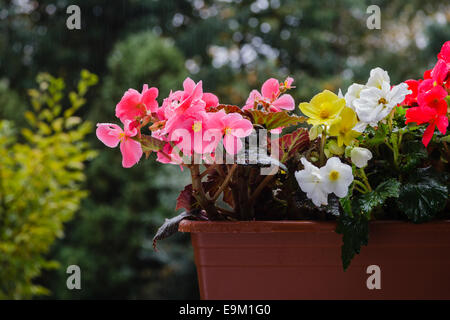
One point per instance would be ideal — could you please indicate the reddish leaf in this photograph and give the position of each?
(292, 143)
(273, 120)
(185, 199)
(228, 108)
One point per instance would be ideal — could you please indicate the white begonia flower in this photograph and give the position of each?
(352, 94)
(377, 77)
(310, 181)
(336, 177)
(360, 156)
(375, 104)
(375, 100)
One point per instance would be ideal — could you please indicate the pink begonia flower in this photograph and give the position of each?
(233, 126)
(187, 100)
(270, 97)
(134, 105)
(200, 133)
(211, 100)
(111, 135)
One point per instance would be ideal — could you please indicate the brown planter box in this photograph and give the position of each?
(301, 260)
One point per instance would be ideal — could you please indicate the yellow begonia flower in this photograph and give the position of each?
(324, 108)
(343, 129)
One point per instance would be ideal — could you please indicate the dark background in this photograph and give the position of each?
(233, 46)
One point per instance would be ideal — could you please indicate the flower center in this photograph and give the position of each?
(334, 175)
(122, 136)
(324, 113)
(227, 131)
(382, 101)
(197, 126)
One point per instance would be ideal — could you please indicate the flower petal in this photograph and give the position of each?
(149, 99)
(285, 101)
(419, 115)
(211, 100)
(131, 152)
(232, 144)
(270, 88)
(428, 134)
(442, 123)
(109, 134)
(126, 108)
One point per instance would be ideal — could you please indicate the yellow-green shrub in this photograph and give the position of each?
(41, 174)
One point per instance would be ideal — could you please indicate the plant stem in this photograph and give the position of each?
(208, 170)
(245, 206)
(225, 182)
(366, 181)
(362, 185)
(323, 140)
(199, 193)
(260, 187)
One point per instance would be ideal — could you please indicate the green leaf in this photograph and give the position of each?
(424, 195)
(273, 120)
(355, 233)
(387, 189)
(150, 144)
(346, 202)
(413, 154)
(377, 137)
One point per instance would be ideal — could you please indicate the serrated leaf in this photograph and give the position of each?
(423, 196)
(355, 233)
(414, 152)
(273, 120)
(387, 189)
(292, 143)
(228, 108)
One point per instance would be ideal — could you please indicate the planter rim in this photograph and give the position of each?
(297, 226)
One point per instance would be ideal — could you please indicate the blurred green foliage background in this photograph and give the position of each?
(233, 46)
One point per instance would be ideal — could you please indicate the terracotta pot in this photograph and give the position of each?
(301, 260)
